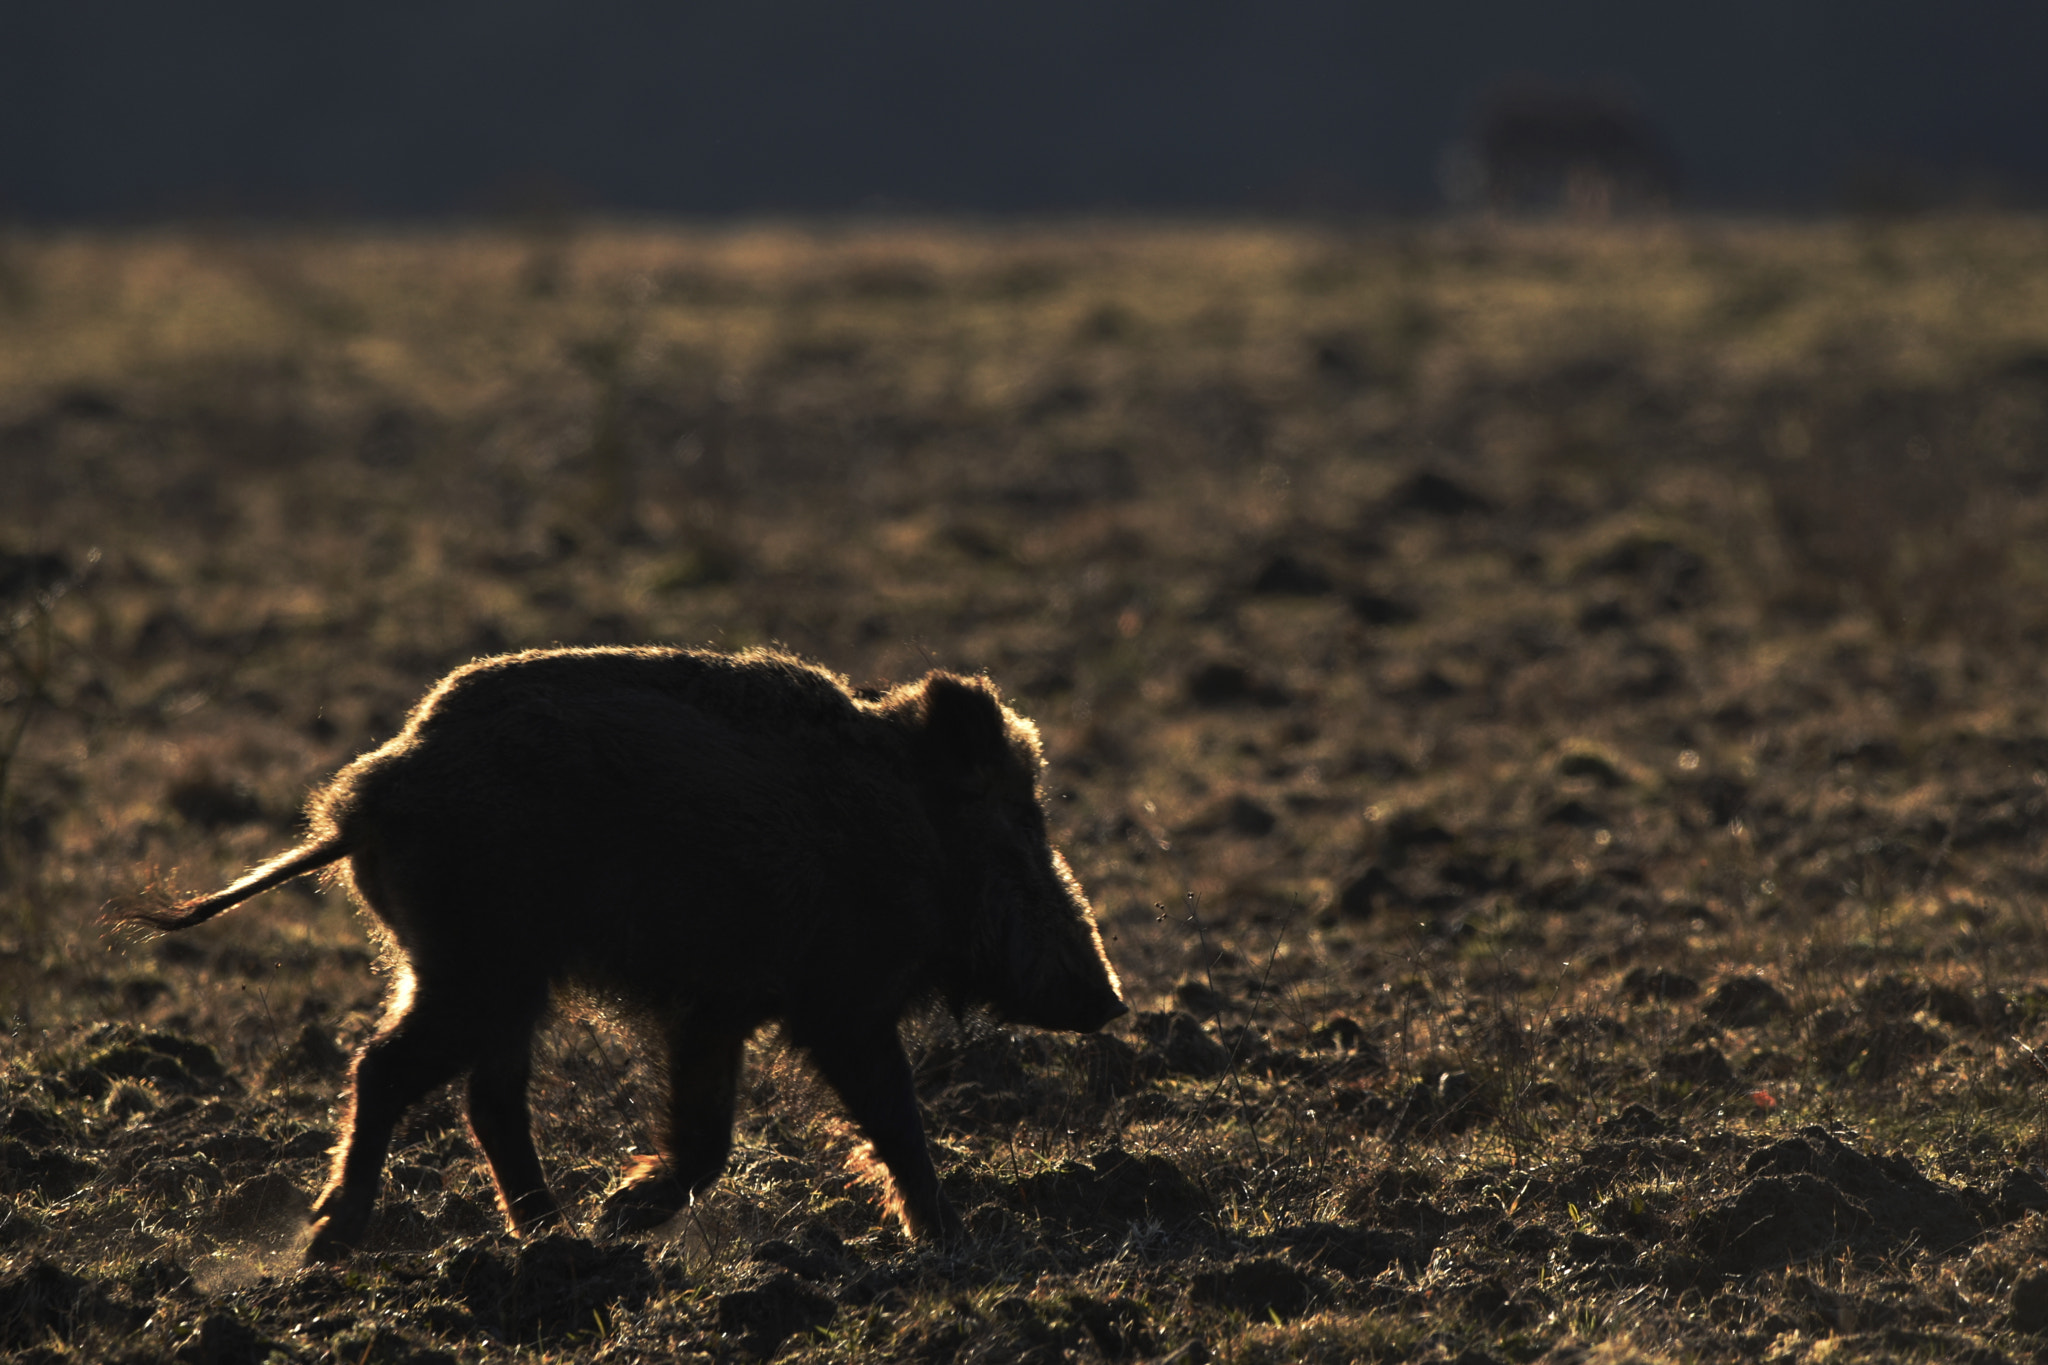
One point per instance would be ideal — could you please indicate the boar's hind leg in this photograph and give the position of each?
(703, 1083)
(503, 1129)
(432, 1042)
(866, 1065)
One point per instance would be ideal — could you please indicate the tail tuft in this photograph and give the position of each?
(158, 909)
(124, 917)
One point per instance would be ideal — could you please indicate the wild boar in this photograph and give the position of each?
(707, 843)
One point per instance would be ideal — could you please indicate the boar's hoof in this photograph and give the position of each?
(938, 1225)
(328, 1246)
(533, 1215)
(641, 1205)
(339, 1219)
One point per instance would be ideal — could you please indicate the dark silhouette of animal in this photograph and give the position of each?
(1587, 150)
(709, 843)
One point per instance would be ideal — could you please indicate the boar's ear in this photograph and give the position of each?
(965, 738)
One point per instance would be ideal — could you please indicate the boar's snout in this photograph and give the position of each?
(1056, 974)
(1103, 1006)
(1078, 995)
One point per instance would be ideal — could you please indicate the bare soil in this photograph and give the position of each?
(1550, 716)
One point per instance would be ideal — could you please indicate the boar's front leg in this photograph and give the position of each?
(703, 1084)
(865, 1064)
(503, 1128)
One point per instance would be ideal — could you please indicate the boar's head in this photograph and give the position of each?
(1030, 947)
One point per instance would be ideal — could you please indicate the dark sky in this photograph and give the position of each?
(128, 109)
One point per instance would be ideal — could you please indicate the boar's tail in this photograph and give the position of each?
(155, 909)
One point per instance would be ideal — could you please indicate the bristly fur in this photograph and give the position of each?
(866, 1167)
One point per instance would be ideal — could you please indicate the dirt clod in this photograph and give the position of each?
(1286, 576)
(763, 1317)
(1659, 983)
(1228, 684)
(1115, 1189)
(1180, 1045)
(1812, 1192)
(556, 1286)
(1746, 1002)
(1430, 493)
(2030, 1302)
(1261, 1286)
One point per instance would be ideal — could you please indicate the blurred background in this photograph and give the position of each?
(123, 109)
